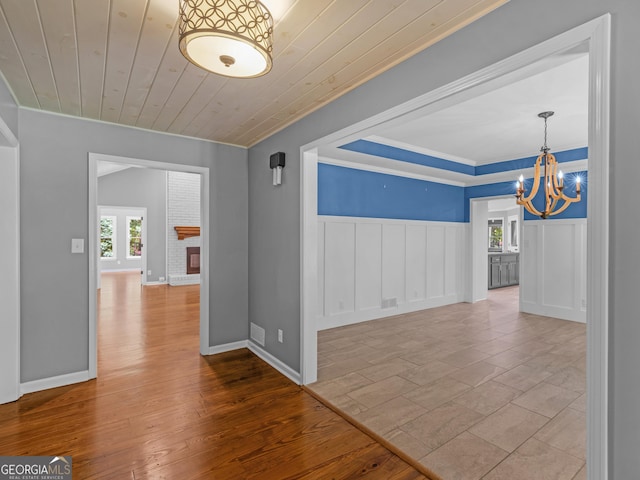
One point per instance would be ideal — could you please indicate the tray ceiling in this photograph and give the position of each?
(503, 124)
(493, 122)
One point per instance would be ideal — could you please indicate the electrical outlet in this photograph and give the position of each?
(280, 336)
(161, 279)
(148, 272)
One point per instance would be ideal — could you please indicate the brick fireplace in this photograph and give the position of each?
(193, 260)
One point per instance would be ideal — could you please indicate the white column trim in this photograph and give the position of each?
(598, 251)
(10, 295)
(309, 266)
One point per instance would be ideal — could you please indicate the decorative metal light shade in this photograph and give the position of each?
(228, 37)
(553, 183)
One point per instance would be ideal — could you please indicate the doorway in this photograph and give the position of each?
(496, 230)
(595, 36)
(203, 173)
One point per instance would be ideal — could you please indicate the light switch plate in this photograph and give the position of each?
(77, 245)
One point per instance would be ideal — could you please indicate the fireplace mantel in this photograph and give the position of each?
(186, 232)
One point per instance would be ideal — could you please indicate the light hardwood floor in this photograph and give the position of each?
(159, 410)
(472, 391)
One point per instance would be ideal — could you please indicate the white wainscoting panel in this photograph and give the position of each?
(372, 268)
(455, 259)
(553, 268)
(368, 266)
(339, 268)
(435, 261)
(529, 265)
(393, 262)
(558, 243)
(320, 299)
(416, 263)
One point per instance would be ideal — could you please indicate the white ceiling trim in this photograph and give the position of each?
(362, 161)
(417, 149)
(512, 175)
(388, 171)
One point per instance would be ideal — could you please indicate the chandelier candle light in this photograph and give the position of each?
(553, 183)
(233, 38)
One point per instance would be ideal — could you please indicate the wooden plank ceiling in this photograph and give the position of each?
(118, 60)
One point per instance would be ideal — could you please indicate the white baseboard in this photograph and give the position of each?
(282, 367)
(279, 365)
(116, 270)
(54, 382)
(350, 318)
(12, 397)
(146, 284)
(227, 347)
(78, 377)
(573, 315)
(186, 279)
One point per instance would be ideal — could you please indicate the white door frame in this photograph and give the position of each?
(596, 34)
(478, 247)
(9, 265)
(94, 158)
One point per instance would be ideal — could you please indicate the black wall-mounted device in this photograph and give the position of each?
(276, 160)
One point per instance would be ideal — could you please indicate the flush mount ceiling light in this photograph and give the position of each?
(228, 37)
(553, 183)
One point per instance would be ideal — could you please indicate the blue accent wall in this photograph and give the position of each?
(350, 192)
(522, 163)
(394, 153)
(575, 210)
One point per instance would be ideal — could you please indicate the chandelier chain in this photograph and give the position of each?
(545, 116)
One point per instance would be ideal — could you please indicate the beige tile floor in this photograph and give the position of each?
(472, 391)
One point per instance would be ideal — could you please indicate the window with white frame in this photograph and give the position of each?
(495, 235)
(134, 237)
(108, 237)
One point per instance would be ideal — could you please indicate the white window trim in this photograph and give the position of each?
(127, 221)
(495, 219)
(114, 239)
(510, 246)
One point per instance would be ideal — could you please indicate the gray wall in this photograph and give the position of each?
(141, 187)
(54, 208)
(274, 213)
